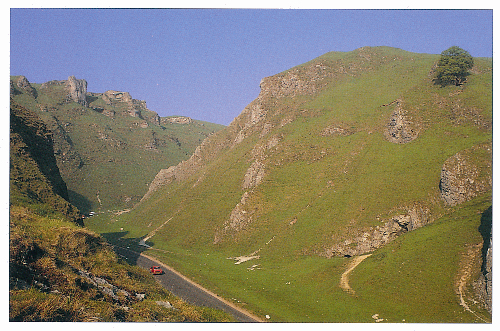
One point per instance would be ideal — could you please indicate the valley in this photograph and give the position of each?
(60, 271)
(353, 189)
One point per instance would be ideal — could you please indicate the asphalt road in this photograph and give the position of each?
(187, 290)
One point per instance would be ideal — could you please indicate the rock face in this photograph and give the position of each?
(164, 177)
(254, 175)
(465, 176)
(483, 286)
(179, 120)
(23, 84)
(488, 276)
(114, 97)
(416, 217)
(237, 220)
(133, 107)
(77, 90)
(292, 83)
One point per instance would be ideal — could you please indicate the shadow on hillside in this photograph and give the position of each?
(485, 230)
(82, 203)
(127, 248)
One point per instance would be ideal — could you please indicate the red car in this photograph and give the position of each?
(155, 270)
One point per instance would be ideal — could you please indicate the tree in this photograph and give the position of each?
(453, 66)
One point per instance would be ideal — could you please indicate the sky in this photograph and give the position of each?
(207, 63)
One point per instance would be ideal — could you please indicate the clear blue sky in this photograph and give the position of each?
(207, 64)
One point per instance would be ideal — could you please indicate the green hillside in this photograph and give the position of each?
(349, 154)
(60, 271)
(109, 146)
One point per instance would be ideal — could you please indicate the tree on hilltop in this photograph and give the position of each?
(453, 66)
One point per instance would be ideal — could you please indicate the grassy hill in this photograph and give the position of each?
(60, 271)
(349, 154)
(109, 148)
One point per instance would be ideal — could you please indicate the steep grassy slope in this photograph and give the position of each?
(34, 176)
(59, 271)
(338, 157)
(110, 148)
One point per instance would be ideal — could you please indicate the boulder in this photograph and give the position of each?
(165, 304)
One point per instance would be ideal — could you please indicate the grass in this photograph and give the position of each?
(330, 188)
(306, 288)
(427, 258)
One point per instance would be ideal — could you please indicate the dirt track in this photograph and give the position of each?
(344, 279)
(186, 289)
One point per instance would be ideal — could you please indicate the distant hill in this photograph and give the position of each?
(352, 153)
(108, 145)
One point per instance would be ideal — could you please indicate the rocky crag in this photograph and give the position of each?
(22, 84)
(117, 102)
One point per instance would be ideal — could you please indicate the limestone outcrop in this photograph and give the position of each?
(179, 120)
(401, 128)
(77, 90)
(466, 175)
(367, 241)
(163, 177)
(488, 275)
(238, 218)
(132, 107)
(23, 84)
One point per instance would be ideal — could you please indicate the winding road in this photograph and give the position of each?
(186, 289)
